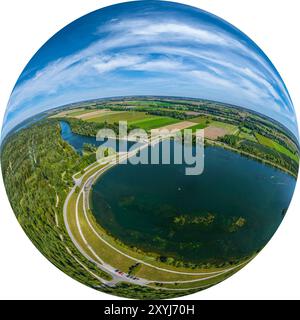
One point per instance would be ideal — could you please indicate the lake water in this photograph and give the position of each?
(138, 205)
(77, 141)
(143, 206)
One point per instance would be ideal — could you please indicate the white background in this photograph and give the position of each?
(26, 25)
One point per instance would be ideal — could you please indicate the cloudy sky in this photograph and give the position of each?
(150, 48)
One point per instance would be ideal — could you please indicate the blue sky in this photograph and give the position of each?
(150, 48)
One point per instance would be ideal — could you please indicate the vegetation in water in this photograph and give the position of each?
(197, 220)
(237, 223)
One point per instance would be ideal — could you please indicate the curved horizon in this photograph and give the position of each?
(150, 48)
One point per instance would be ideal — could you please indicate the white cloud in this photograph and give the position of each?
(108, 64)
(204, 57)
(160, 65)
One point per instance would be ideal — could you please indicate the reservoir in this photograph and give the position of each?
(228, 212)
(139, 205)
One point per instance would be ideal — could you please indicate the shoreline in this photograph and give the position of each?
(218, 144)
(118, 243)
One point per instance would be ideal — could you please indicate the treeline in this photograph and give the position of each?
(260, 151)
(231, 140)
(171, 114)
(208, 265)
(83, 127)
(268, 133)
(91, 129)
(176, 114)
(273, 157)
(131, 291)
(37, 166)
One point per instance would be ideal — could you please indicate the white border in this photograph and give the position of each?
(26, 25)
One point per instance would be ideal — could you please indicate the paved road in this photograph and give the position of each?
(100, 263)
(117, 277)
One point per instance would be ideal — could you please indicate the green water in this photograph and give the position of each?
(245, 200)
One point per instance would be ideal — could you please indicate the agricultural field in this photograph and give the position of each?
(276, 146)
(135, 119)
(213, 133)
(198, 126)
(153, 123)
(219, 122)
(201, 120)
(230, 128)
(78, 113)
(89, 114)
(116, 116)
(246, 136)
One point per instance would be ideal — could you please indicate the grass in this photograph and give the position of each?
(159, 109)
(137, 119)
(229, 127)
(247, 130)
(201, 120)
(153, 274)
(198, 284)
(78, 175)
(101, 249)
(276, 146)
(68, 113)
(79, 112)
(72, 222)
(198, 127)
(116, 116)
(75, 231)
(154, 123)
(247, 136)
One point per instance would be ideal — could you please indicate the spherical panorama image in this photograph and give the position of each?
(150, 150)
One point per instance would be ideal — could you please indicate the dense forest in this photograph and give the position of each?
(168, 113)
(37, 166)
(91, 129)
(83, 127)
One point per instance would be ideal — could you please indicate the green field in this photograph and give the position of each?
(204, 122)
(113, 117)
(79, 112)
(232, 129)
(247, 136)
(201, 120)
(276, 146)
(153, 122)
(137, 119)
(198, 127)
